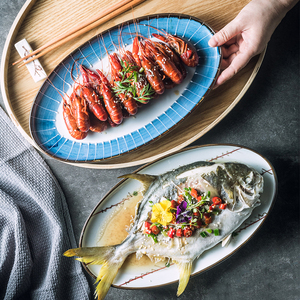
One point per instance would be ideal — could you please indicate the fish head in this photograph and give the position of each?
(239, 185)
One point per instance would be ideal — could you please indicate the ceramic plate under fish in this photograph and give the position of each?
(249, 201)
(152, 121)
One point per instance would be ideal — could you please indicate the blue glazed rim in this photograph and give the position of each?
(44, 109)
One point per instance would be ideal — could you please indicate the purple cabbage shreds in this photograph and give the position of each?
(183, 215)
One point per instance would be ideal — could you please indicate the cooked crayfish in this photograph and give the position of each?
(136, 77)
(126, 97)
(187, 52)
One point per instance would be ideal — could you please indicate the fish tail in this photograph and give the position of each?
(105, 278)
(104, 256)
(185, 269)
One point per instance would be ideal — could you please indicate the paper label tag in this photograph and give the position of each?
(34, 67)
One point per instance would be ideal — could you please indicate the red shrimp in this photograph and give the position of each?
(135, 52)
(185, 50)
(173, 56)
(90, 92)
(80, 113)
(151, 71)
(164, 62)
(144, 91)
(112, 105)
(71, 123)
(126, 98)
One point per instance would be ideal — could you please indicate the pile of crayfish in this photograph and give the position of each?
(136, 77)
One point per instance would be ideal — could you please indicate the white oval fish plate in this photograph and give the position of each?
(152, 121)
(156, 275)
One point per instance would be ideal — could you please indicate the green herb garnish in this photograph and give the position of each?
(154, 237)
(130, 75)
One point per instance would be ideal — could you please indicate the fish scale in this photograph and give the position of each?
(238, 185)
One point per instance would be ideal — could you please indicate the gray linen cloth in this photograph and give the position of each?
(35, 226)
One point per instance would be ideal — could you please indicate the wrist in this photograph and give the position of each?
(279, 7)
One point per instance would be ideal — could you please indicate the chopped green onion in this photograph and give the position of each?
(167, 264)
(216, 232)
(203, 234)
(188, 197)
(209, 230)
(153, 237)
(135, 193)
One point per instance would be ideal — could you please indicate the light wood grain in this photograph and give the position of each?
(87, 25)
(40, 21)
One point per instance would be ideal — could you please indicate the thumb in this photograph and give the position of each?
(225, 34)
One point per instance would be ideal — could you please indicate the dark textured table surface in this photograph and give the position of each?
(265, 120)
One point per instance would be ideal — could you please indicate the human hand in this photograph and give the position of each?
(248, 34)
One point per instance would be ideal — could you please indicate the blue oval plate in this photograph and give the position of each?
(152, 121)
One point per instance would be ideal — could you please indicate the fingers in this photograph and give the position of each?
(225, 34)
(233, 64)
(228, 51)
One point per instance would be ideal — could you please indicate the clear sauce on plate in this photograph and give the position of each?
(115, 231)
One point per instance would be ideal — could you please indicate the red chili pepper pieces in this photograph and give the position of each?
(147, 230)
(216, 200)
(147, 224)
(171, 233)
(154, 229)
(179, 232)
(187, 232)
(194, 193)
(174, 204)
(223, 205)
(180, 199)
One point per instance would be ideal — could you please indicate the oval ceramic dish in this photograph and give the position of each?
(152, 120)
(136, 277)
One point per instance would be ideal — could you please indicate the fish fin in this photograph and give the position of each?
(145, 179)
(226, 241)
(104, 256)
(90, 255)
(185, 269)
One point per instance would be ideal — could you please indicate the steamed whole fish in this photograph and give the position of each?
(183, 213)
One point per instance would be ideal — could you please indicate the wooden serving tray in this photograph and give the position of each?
(39, 21)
